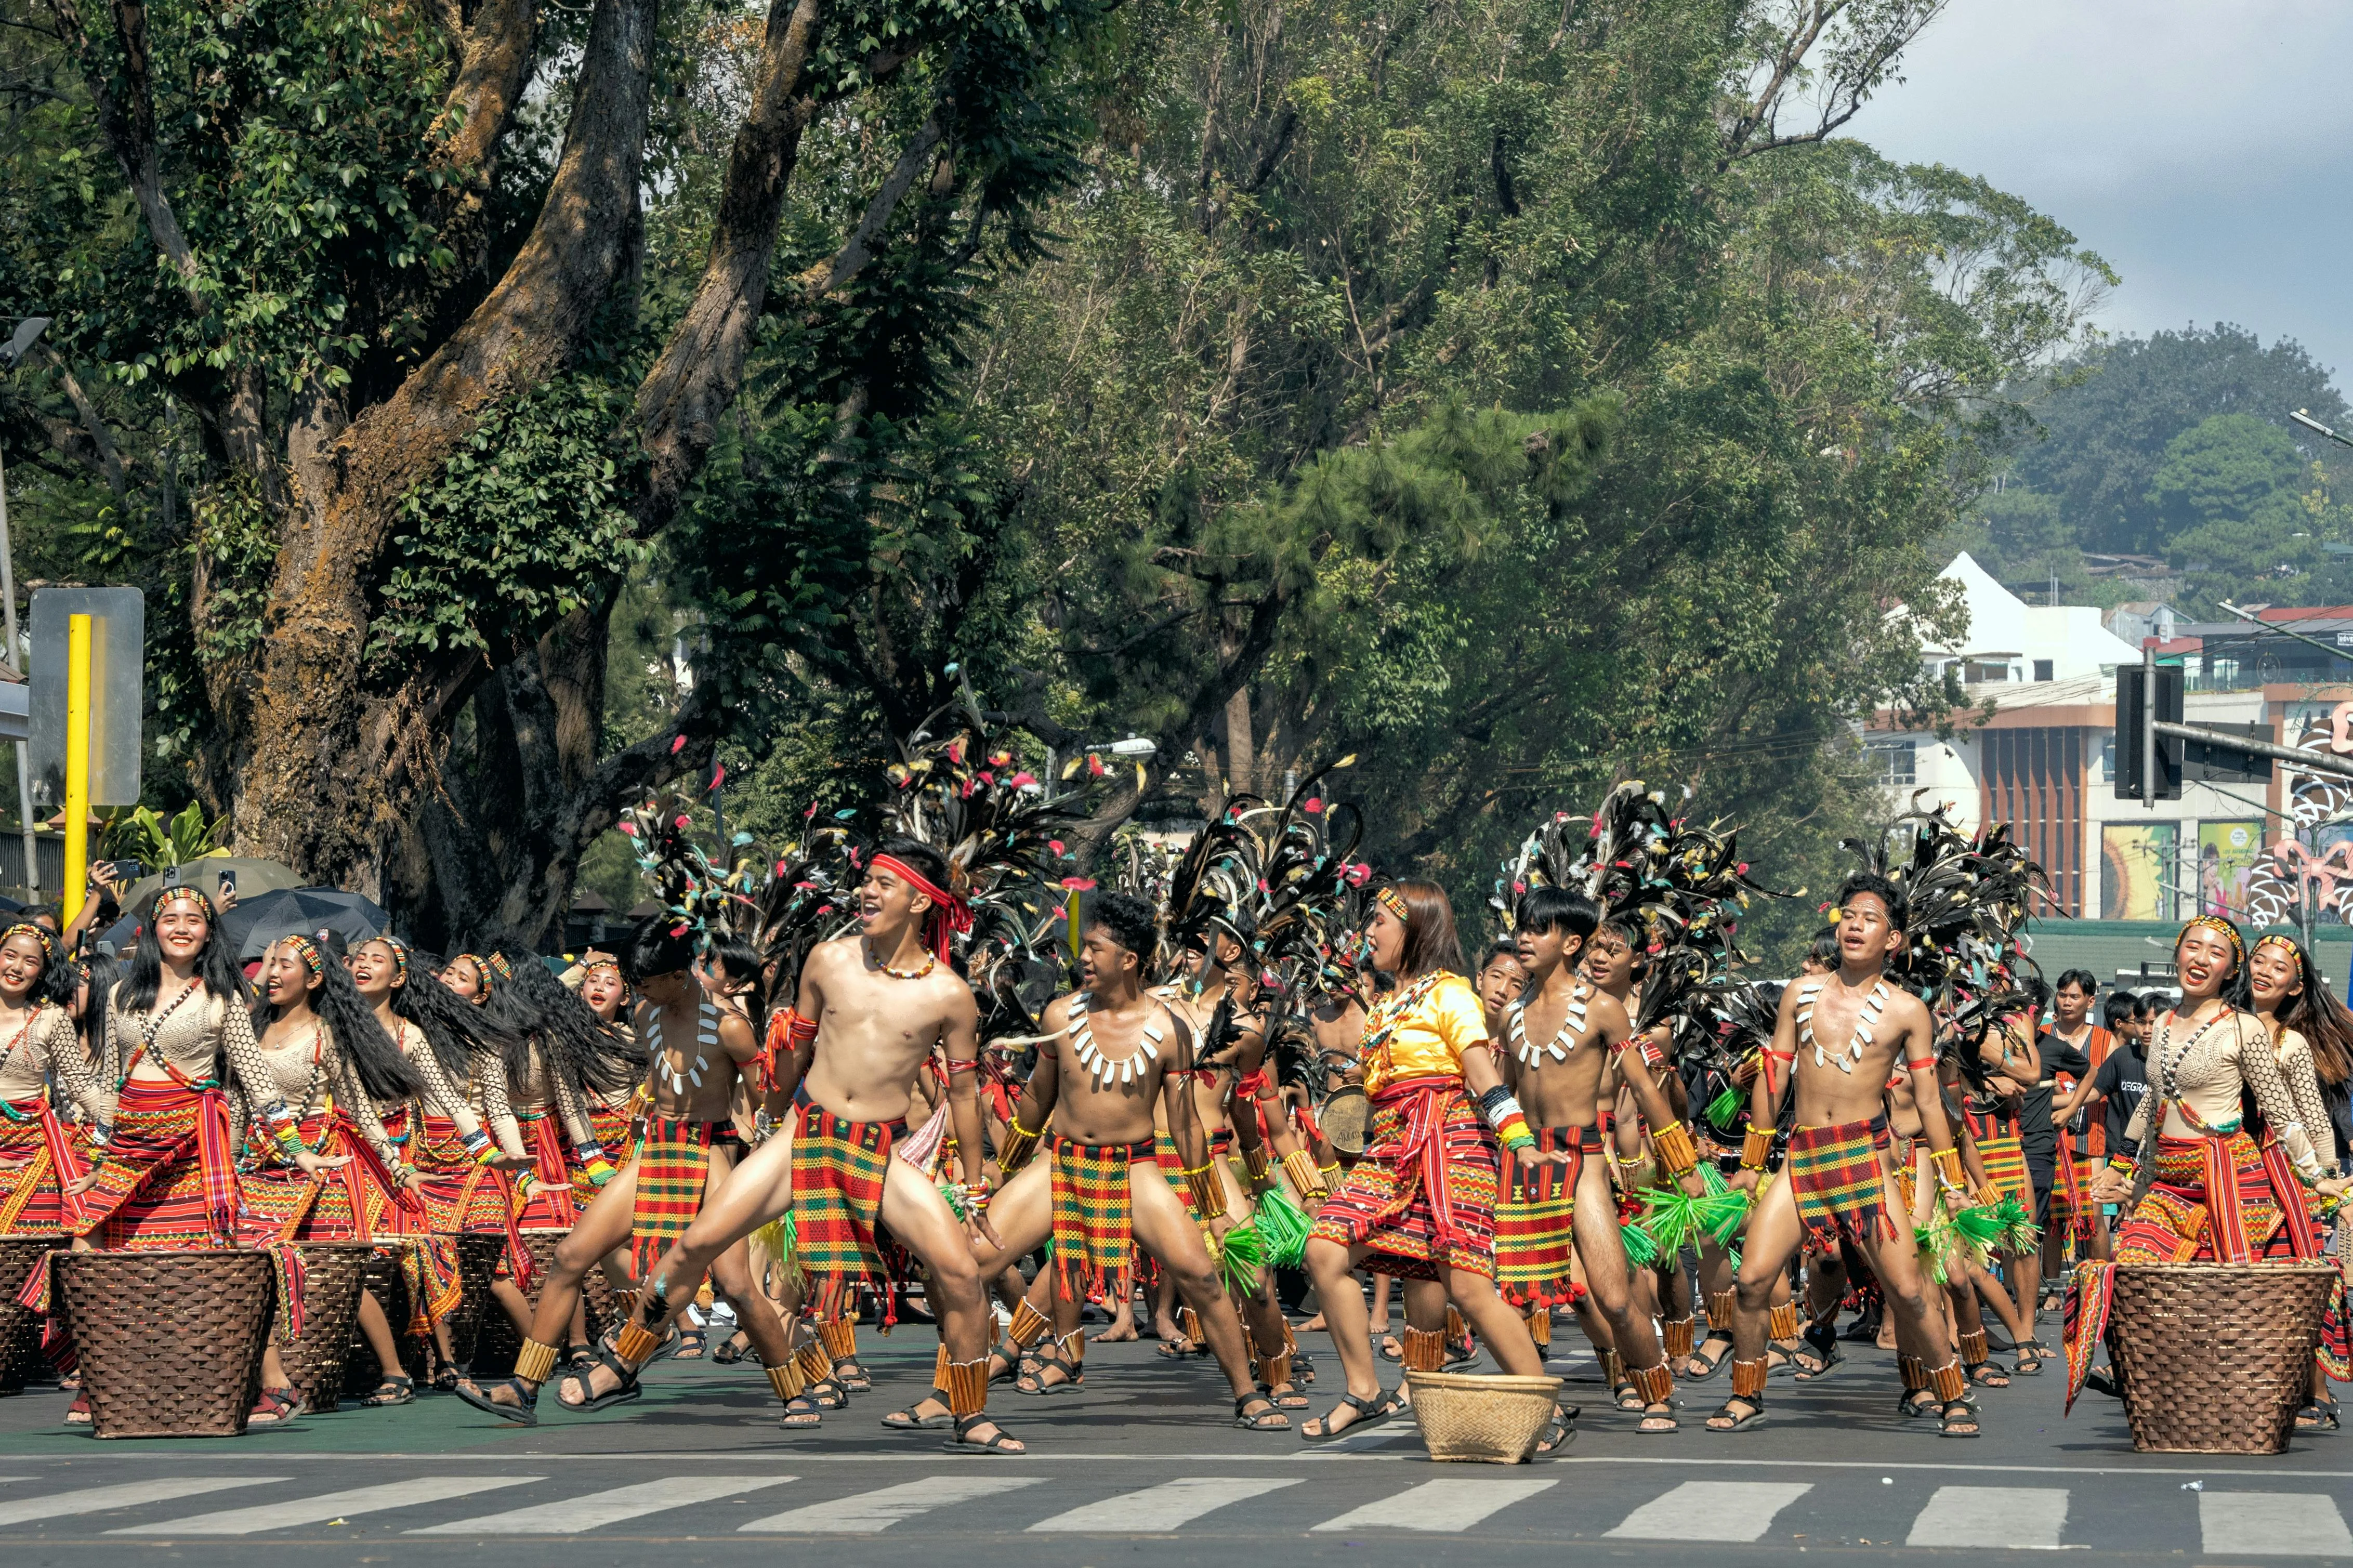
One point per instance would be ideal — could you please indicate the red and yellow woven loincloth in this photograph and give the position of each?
(673, 1167)
(1534, 1247)
(1424, 1193)
(1094, 1218)
(1839, 1176)
(837, 1173)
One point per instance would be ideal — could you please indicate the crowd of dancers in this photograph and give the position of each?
(937, 1057)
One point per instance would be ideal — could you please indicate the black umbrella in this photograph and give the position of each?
(255, 922)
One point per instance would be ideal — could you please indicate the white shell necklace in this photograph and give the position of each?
(1572, 1030)
(706, 1035)
(1869, 1018)
(1100, 1067)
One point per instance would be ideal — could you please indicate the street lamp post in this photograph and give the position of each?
(28, 332)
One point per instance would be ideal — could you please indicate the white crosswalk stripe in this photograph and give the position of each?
(2013, 1516)
(572, 1516)
(2272, 1524)
(326, 1506)
(881, 1509)
(1710, 1511)
(1169, 1506)
(96, 1500)
(1437, 1506)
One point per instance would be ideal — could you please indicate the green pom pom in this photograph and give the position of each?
(1284, 1225)
(1725, 1106)
(1641, 1247)
(1239, 1257)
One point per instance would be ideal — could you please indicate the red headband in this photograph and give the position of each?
(950, 916)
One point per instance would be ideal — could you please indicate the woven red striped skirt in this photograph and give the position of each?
(549, 1204)
(277, 1202)
(1424, 1191)
(169, 1182)
(39, 1155)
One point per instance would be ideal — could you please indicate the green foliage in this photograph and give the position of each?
(148, 836)
(522, 528)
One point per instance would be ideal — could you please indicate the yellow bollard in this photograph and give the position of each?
(77, 632)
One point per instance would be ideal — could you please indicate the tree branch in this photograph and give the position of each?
(494, 56)
(130, 130)
(110, 462)
(826, 277)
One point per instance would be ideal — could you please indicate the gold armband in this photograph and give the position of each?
(1019, 1145)
(1672, 1145)
(1254, 1161)
(1208, 1192)
(1755, 1148)
(1948, 1168)
(1300, 1166)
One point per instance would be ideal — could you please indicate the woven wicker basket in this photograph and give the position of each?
(170, 1341)
(2216, 1358)
(478, 1262)
(20, 1328)
(332, 1272)
(1489, 1420)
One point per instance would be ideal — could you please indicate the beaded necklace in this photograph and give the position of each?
(1864, 1023)
(706, 1033)
(1572, 1029)
(1100, 1067)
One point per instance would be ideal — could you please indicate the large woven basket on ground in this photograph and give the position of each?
(170, 1341)
(332, 1272)
(478, 1262)
(1491, 1420)
(20, 1328)
(2216, 1358)
(497, 1345)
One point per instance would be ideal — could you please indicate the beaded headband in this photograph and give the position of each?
(180, 893)
(399, 958)
(48, 943)
(498, 964)
(2274, 939)
(1392, 901)
(482, 968)
(2217, 924)
(308, 953)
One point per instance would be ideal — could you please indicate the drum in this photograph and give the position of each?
(1346, 1117)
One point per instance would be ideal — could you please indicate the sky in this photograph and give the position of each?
(2204, 148)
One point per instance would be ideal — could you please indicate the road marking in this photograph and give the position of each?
(865, 1512)
(2012, 1517)
(326, 1506)
(1169, 1506)
(1438, 1505)
(1710, 1511)
(96, 1500)
(2272, 1525)
(596, 1509)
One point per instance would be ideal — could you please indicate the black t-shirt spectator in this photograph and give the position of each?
(2036, 1135)
(2122, 1079)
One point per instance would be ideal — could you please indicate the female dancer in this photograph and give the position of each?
(455, 1050)
(1420, 1203)
(2310, 1034)
(2214, 1192)
(39, 1157)
(328, 1060)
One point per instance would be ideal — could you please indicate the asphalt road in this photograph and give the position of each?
(1142, 1467)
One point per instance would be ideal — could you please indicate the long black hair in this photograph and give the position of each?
(216, 967)
(454, 1030)
(2318, 1016)
(540, 1009)
(98, 972)
(383, 1072)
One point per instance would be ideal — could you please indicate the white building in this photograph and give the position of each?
(2044, 762)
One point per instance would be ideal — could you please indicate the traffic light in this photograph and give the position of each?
(2132, 737)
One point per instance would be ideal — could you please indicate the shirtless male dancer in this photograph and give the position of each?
(1561, 1036)
(872, 1007)
(684, 1160)
(1842, 1036)
(1097, 1188)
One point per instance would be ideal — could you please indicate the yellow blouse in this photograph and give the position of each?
(1421, 1029)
